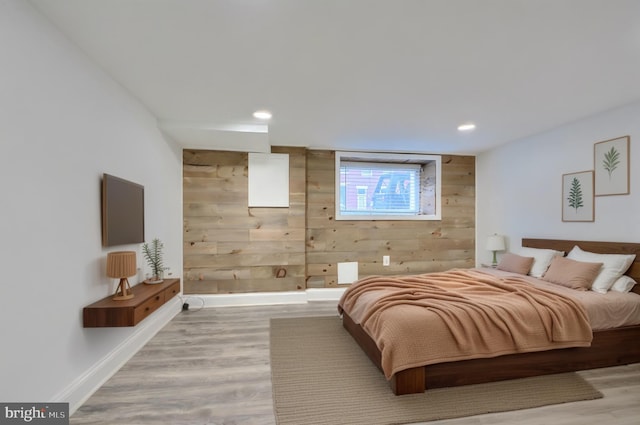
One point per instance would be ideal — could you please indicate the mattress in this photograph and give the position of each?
(605, 311)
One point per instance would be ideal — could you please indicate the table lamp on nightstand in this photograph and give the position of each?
(121, 265)
(495, 243)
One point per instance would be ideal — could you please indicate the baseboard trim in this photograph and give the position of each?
(89, 382)
(263, 298)
(325, 294)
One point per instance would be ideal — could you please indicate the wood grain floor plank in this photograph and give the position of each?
(212, 367)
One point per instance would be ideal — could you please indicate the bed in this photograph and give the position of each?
(619, 345)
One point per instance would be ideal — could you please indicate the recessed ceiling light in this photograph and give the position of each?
(466, 127)
(262, 115)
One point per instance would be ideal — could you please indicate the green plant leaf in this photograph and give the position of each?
(153, 254)
(611, 160)
(575, 194)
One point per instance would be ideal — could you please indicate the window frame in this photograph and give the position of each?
(391, 159)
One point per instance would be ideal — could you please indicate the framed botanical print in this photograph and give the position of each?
(611, 166)
(577, 196)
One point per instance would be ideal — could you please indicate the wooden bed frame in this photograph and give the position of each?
(612, 347)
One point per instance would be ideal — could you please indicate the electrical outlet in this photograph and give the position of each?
(386, 260)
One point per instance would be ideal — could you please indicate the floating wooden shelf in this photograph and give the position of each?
(147, 299)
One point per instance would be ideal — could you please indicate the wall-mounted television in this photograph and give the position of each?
(122, 211)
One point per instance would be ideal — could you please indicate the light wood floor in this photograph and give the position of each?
(212, 367)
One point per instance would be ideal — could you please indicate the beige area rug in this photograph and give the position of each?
(321, 376)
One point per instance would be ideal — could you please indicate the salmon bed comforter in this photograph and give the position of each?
(461, 314)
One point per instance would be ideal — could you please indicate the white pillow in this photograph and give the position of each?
(623, 284)
(541, 259)
(613, 266)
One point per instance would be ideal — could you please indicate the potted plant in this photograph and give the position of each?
(153, 254)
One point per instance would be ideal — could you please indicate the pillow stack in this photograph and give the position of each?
(612, 270)
(571, 273)
(541, 259)
(581, 270)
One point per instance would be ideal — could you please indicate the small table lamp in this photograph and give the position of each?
(121, 265)
(495, 243)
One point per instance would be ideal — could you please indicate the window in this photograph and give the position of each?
(374, 186)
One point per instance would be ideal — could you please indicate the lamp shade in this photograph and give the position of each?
(121, 264)
(495, 243)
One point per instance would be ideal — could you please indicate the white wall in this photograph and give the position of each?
(63, 123)
(519, 192)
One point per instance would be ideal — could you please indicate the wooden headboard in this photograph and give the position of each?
(593, 246)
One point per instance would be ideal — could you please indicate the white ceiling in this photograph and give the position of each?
(393, 75)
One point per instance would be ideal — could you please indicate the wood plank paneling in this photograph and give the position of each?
(414, 246)
(231, 248)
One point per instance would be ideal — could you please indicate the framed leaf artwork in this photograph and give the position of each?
(611, 166)
(577, 196)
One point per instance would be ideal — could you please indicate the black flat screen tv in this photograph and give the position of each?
(122, 211)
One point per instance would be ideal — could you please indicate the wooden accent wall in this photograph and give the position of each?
(229, 247)
(413, 246)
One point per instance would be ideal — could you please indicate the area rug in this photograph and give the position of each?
(321, 376)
